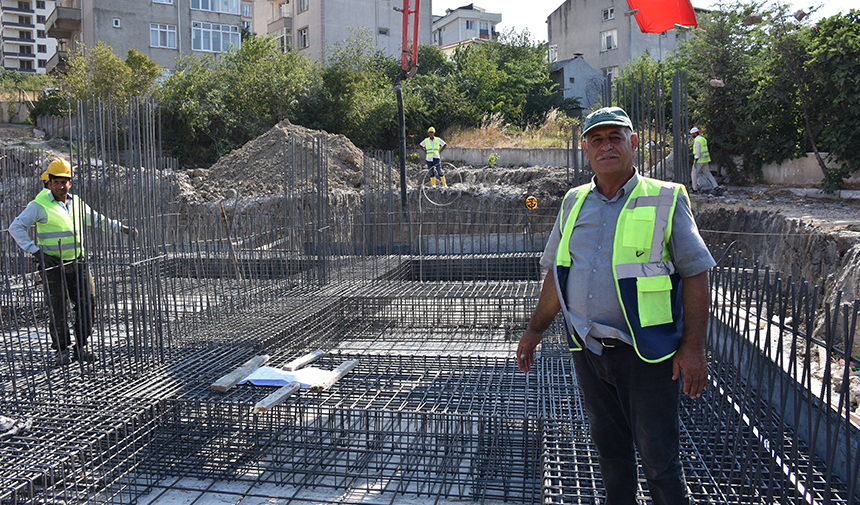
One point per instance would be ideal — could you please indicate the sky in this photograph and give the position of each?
(519, 14)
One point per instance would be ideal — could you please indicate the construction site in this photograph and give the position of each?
(399, 324)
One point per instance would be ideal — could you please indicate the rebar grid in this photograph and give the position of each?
(78, 452)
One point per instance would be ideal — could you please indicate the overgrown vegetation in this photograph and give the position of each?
(791, 87)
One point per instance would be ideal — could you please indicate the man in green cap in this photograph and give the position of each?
(627, 268)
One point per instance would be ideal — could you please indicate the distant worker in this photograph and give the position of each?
(434, 146)
(59, 218)
(702, 161)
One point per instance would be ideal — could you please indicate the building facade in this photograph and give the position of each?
(26, 46)
(605, 34)
(162, 29)
(467, 24)
(312, 26)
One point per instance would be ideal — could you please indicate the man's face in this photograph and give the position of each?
(59, 186)
(610, 149)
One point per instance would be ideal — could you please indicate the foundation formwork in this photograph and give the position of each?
(432, 310)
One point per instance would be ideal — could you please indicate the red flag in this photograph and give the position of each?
(658, 16)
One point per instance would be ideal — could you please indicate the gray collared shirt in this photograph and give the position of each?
(591, 296)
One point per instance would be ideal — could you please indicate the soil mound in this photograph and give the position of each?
(259, 167)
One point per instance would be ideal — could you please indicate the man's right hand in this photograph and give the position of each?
(526, 349)
(37, 259)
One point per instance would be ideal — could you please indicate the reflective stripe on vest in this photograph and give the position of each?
(704, 155)
(646, 283)
(432, 147)
(60, 235)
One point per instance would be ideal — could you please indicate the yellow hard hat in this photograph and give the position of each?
(431, 130)
(59, 168)
(44, 176)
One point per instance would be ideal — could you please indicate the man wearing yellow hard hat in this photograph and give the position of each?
(59, 218)
(434, 146)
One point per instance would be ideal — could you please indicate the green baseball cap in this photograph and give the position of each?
(607, 116)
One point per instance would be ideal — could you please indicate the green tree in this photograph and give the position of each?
(97, 71)
(212, 105)
(834, 71)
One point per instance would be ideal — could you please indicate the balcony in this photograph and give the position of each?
(21, 70)
(11, 54)
(64, 22)
(15, 9)
(58, 62)
(279, 23)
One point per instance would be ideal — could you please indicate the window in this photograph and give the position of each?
(470, 24)
(40, 4)
(162, 36)
(552, 53)
(25, 20)
(383, 31)
(40, 34)
(609, 40)
(610, 72)
(24, 6)
(25, 65)
(247, 10)
(284, 10)
(25, 35)
(609, 13)
(303, 38)
(225, 6)
(40, 19)
(303, 5)
(25, 50)
(42, 48)
(213, 38)
(168, 2)
(42, 63)
(485, 28)
(284, 39)
(571, 79)
(117, 23)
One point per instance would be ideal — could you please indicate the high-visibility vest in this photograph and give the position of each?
(647, 285)
(61, 235)
(704, 155)
(432, 147)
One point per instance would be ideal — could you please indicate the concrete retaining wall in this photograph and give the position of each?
(507, 156)
(800, 172)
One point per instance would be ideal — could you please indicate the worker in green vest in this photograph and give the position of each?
(627, 269)
(59, 218)
(434, 146)
(701, 161)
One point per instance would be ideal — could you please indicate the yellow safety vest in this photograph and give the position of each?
(432, 147)
(61, 234)
(647, 285)
(704, 155)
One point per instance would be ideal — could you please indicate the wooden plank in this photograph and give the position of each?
(334, 376)
(304, 360)
(276, 398)
(226, 382)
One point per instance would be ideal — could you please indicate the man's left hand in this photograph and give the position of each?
(130, 231)
(693, 362)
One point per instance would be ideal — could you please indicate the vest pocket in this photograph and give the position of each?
(655, 302)
(639, 228)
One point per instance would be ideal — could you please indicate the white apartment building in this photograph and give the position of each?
(311, 26)
(467, 24)
(26, 46)
(162, 29)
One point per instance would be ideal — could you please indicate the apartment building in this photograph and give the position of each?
(162, 29)
(464, 25)
(312, 26)
(26, 47)
(605, 34)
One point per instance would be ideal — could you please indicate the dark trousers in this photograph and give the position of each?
(435, 167)
(630, 401)
(71, 283)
